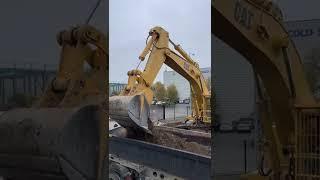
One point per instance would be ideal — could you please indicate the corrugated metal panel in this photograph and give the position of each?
(233, 82)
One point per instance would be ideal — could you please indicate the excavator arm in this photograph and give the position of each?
(82, 69)
(254, 28)
(63, 136)
(139, 82)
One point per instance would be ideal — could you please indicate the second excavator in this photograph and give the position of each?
(131, 108)
(289, 112)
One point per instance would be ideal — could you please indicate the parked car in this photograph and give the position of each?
(225, 127)
(180, 101)
(244, 126)
(249, 120)
(161, 103)
(186, 101)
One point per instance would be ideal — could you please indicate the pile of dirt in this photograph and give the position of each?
(173, 141)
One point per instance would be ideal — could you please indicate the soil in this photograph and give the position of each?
(173, 141)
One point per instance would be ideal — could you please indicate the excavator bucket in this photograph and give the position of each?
(131, 112)
(53, 143)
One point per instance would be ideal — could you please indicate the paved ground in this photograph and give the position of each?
(228, 155)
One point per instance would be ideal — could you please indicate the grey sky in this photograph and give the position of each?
(130, 20)
(28, 28)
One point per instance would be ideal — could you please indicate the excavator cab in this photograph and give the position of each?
(64, 135)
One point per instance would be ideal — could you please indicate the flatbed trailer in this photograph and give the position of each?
(158, 161)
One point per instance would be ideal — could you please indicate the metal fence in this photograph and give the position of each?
(26, 79)
(307, 157)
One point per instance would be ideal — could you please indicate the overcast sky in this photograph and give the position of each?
(187, 22)
(28, 28)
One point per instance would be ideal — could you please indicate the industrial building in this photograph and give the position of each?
(233, 76)
(182, 85)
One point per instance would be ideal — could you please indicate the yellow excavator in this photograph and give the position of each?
(131, 108)
(289, 113)
(64, 135)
